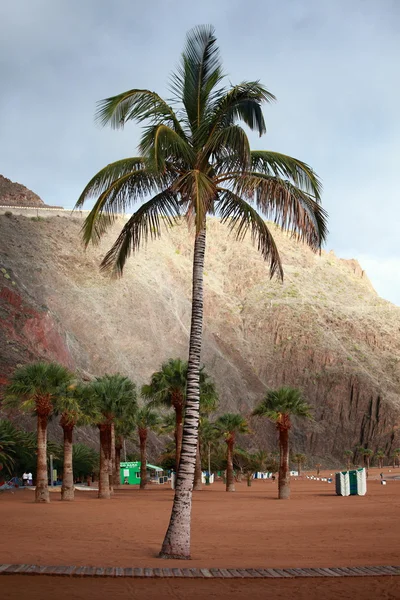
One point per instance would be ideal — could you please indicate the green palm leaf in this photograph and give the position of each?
(164, 209)
(241, 217)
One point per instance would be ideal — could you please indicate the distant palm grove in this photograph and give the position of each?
(194, 159)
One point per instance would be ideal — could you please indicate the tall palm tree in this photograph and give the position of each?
(229, 425)
(37, 388)
(279, 406)
(348, 454)
(146, 419)
(168, 388)
(114, 397)
(380, 455)
(194, 160)
(10, 439)
(300, 460)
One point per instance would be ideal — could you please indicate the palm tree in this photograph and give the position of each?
(194, 160)
(208, 404)
(37, 388)
(279, 406)
(146, 419)
(84, 460)
(114, 397)
(348, 454)
(380, 455)
(76, 408)
(396, 456)
(367, 453)
(300, 460)
(229, 425)
(168, 388)
(10, 439)
(318, 467)
(250, 462)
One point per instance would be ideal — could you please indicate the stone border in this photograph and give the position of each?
(74, 571)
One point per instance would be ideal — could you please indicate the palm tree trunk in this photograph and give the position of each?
(177, 539)
(42, 486)
(117, 472)
(143, 458)
(230, 482)
(197, 483)
(284, 477)
(178, 435)
(249, 476)
(104, 478)
(209, 460)
(298, 468)
(67, 489)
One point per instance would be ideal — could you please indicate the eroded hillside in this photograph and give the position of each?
(324, 329)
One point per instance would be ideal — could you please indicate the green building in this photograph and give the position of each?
(130, 473)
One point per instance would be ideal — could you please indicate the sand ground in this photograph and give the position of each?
(249, 528)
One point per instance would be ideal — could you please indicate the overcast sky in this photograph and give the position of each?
(333, 65)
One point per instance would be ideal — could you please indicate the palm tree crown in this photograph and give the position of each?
(279, 405)
(195, 159)
(114, 396)
(231, 424)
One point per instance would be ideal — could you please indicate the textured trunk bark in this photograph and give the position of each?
(177, 539)
(117, 472)
(178, 435)
(230, 481)
(143, 458)
(104, 478)
(209, 459)
(249, 476)
(197, 483)
(299, 468)
(284, 477)
(42, 487)
(112, 458)
(348, 465)
(67, 489)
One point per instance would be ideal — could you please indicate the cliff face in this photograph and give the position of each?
(324, 329)
(16, 194)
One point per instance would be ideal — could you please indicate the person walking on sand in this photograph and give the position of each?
(25, 479)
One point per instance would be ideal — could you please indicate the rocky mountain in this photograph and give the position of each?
(15, 194)
(324, 328)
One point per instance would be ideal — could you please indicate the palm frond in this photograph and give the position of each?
(139, 105)
(229, 141)
(240, 218)
(287, 167)
(289, 207)
(163, 208)
(119, 185)
(160, 144)
(284, 401)
(241, 103)
(200, 71)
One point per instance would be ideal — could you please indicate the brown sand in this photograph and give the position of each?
(15, 587)
(249, 528)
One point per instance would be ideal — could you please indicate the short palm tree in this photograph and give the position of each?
(195, 160)
(300, 459)
(76, 408)
(208, 405)
(279, 406)
(168, 388)
(396, 456)
(114, 397)
(10, 439)
(380, 455)
(367, 454)
(85, 460)
(229, 425)
(37, 388)
(146, 419)
(348, 454)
